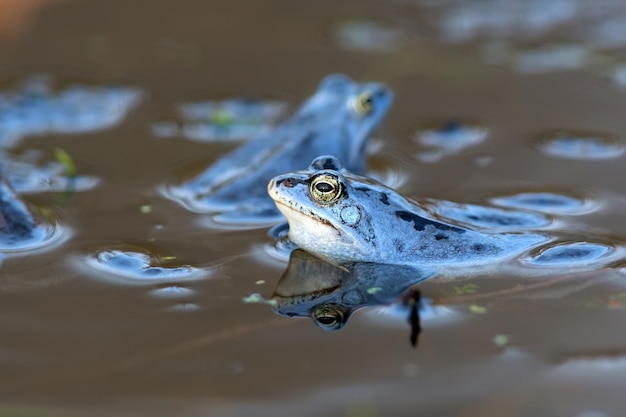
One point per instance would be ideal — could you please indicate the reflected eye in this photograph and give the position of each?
(325, 188)
(328, 317)
(364, 103)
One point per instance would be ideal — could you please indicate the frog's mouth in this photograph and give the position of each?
(295, 216)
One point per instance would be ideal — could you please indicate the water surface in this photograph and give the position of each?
(79, 341)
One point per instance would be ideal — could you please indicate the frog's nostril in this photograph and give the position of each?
(288, 182)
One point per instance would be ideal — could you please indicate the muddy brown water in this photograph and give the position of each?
(77, 343)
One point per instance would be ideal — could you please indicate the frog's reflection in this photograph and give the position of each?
(329, 294)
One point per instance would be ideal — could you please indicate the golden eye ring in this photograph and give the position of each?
(329, 317)
(325, 188)
(364, 103)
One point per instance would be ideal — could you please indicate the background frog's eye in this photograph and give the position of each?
(329, 316)
(364, 103)
(325, 188)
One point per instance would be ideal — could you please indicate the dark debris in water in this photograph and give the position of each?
(413, 301)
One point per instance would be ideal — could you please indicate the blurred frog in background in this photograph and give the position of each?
(337, 119)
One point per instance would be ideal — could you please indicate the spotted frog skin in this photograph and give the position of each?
(343, 217)
(338, 119)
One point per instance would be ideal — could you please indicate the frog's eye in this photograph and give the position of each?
(325, 188)
(364, 103)
(329, 316)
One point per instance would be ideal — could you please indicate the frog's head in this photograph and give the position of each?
(326, 214)
(356, 108)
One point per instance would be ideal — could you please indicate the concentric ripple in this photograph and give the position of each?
(21, 229)
(39, 237)
(580, 146)
(276, 251)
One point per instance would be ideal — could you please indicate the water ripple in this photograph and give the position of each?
(21, 229)
(276, 251)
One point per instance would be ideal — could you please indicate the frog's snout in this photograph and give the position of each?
(283, 181)
(283, 187)
(273, 187)
(288, 182)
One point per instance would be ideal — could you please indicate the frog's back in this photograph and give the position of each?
(409, 233)
(343, 217)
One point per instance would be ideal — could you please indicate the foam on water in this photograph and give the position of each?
(580, 145)
(576, 254)
(600, 25)
(367, 35)
(138, 267)
(546, 202)
(28, 174)
(552, 58)
(37, 107)
(221, 120)
(448, 138)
